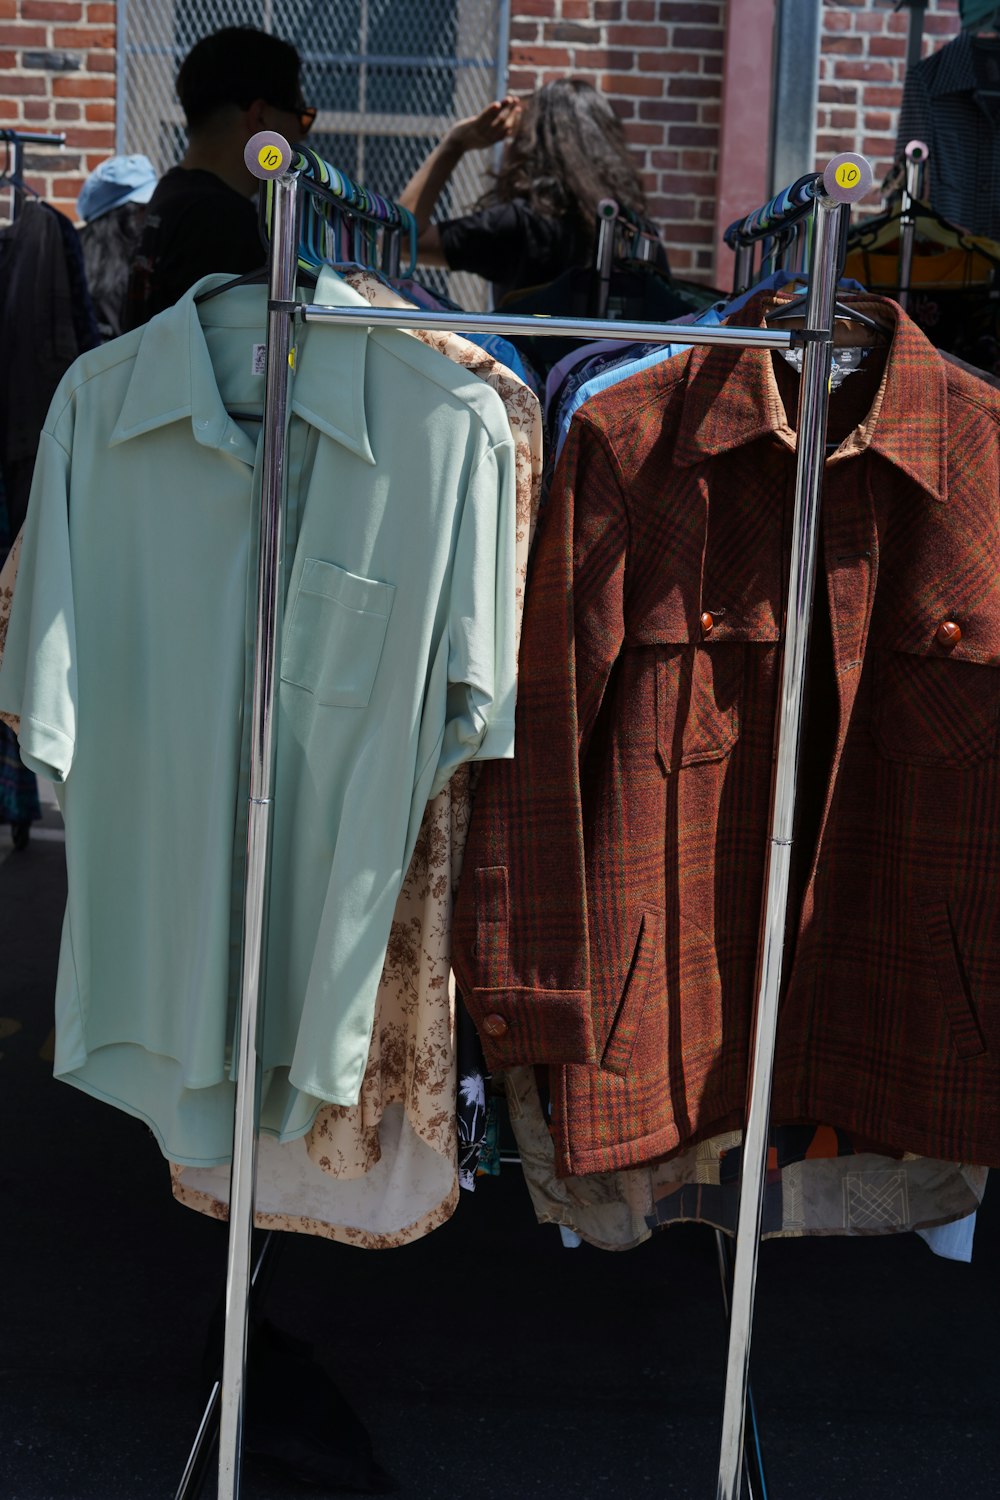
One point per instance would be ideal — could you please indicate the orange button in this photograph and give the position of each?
(495, 1026)
(948, 633)
(707, 623)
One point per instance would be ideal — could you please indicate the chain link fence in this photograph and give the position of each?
(387, 76)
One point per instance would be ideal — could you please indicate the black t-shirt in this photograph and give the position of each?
(196, 224)
(512, 245)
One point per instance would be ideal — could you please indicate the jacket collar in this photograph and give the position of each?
(173, 379)
(731, 399)
(954, 71)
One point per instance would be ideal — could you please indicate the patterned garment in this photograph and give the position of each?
(607, 916)
(943, 106)
(18, 786)
(816, 1184)
(385, 1172)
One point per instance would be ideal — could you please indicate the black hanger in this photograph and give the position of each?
(797, 308)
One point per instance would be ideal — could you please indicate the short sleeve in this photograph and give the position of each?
(482, 664)
(38, 677)
(488, 243)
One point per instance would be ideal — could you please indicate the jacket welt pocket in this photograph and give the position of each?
(698, 692)
(625, 1029)
(334, 634)
(932, 710)
(967, 1037)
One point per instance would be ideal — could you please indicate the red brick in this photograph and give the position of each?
(866, 72)
(23, 36)
(580, 33)
(693, 234)
(604, 10)
(842, 119)
(638, 36)
(697, 161)
(881, 121)
(712, 62)
(37, 110)
(84, 88)
(50, 10)
(101, 15)
(519, 81)
(845, 46)
(535, 8)
(24, 83)
(68, 111)
(8, 110)
(663, 109)
(101, 62)
(524, 31)
(666, 160)
(67, 187)
(539, 57)
(102, 149)
(683, 182)
(8, 9)
(941, 26)
(887, 46)
(693, 135)
(576, 10)
(878, 145)
(836, 21)
(702, 38)
(99, 113)
(635, 84)
(88, 137)
(875, 96)
(639, 134)
(710, 114)
(833, 93)
(641, 10)
(643, 135)
(682, 11)
(693, 88)
(77, 36)
(671, 208)
(8, 59)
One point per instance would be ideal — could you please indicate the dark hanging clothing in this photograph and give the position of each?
(110, 244)
(948, 104)
(513, 245)
(196, 224)
(44, 325)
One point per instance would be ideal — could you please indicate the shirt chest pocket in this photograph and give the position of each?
(937, 701)
(335, 633)
(700, 675)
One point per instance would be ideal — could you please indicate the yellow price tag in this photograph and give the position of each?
(848, 174)
(291, 358)
(269, 158)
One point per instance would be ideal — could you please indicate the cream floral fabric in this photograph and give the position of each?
(385, 1171)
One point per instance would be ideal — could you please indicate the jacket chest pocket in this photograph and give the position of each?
(933, 709)
(334, 634)
(698, 692)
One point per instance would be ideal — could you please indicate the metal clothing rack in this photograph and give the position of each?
(845, 179)
(15, 141)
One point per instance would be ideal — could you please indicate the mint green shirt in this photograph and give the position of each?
(128, 660)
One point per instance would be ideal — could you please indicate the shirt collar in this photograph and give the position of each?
(731, 398)
(173, 380)
(955, 71)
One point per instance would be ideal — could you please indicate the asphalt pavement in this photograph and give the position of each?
(486, 1362)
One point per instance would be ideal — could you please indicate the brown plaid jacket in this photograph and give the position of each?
(607, 918)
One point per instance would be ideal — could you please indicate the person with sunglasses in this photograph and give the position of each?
(203, 216)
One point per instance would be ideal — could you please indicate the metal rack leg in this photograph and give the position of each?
(200, 1456)
(754, 1477)
(811, 454)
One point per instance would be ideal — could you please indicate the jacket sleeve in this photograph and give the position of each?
(520, 945)
(38, 676)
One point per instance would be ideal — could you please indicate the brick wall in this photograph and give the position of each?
(660, 64)
(862, 68)
(57, 73)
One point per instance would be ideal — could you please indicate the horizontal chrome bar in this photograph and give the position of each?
(581, 328)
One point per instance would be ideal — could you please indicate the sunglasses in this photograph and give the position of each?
(305, 114)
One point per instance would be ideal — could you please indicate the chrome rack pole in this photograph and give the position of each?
(607, 217)
(268, 157)
(846, 179)
(916, 155)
